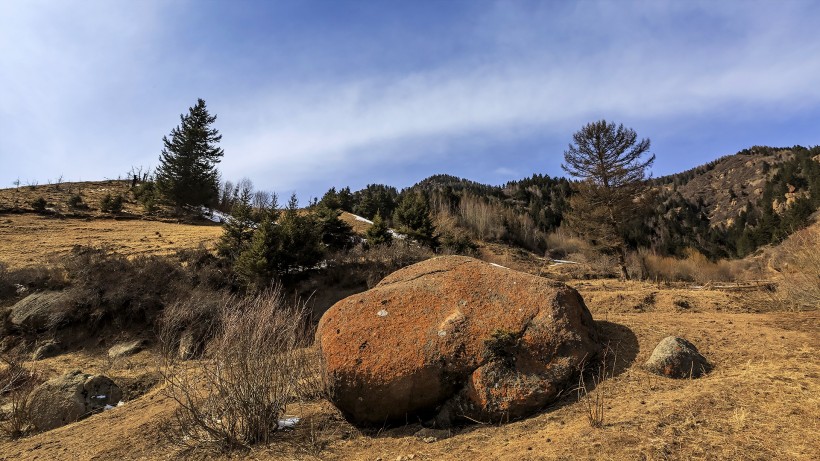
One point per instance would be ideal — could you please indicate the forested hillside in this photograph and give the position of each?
(726, 208)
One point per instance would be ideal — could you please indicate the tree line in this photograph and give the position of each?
(610, 200)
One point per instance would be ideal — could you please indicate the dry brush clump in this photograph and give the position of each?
(256, 364)
(799, 271)
(368, 265)
(16, 383)
(693, 267)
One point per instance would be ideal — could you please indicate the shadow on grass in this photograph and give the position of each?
(622, 343)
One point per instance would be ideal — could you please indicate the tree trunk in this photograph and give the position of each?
(622, 263)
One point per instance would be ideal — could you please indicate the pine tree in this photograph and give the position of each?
(412, 216)
(335, 233)
(378, 233)
(259, 262)
(608, 160)
(187, 174)
(239, 228)
(301, 239)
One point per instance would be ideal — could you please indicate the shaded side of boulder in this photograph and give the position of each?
(69, 398)
(676, 357)
(457, 337)
(39, 311)
(126, 349)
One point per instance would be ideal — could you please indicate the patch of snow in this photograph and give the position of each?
(557, 262)
(498, 265)
(215, 215)
(101, 396)
(359, 218)
(288, 423)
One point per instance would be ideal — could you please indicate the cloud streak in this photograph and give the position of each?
(105, 83)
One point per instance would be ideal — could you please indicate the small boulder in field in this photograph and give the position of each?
(127, 348)
(47, 349)
(38, 311)
(69, 398)
(454, 338)
(676, 357)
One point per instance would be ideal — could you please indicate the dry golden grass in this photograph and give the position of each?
(56, 196)
(28, 239)
(760, 402)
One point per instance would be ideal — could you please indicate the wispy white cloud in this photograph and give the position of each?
(90, 88)
(334, 124)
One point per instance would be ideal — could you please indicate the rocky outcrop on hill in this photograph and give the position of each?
(69, 398)
(676, 357)
(454, 337)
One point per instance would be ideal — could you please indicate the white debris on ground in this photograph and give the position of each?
(558, 262)
(498, 265)
(396, 234)
(391, 231)
(111, 407)
(288, 423)
(215, 215)
(359, 218)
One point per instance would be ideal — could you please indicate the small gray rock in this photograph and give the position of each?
(127, 348)
(47, 349)
(69, 398)
(676, 357)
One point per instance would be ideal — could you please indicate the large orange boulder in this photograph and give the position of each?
(454, 338)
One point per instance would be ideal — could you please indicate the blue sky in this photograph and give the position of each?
(313, 94)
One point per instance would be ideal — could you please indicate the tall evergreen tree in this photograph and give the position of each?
(412, 216)
(187, 174)
(238, 229)
(608, 160)
(378, 233)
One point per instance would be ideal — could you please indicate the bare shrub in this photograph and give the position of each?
(799, 272)
(20, 281)
(560, 244)
(16, 383)
(255, 366)
(370, 265)
(694, 267)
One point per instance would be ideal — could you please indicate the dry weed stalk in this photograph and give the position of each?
(16, 383)
(255, 366)
(594, 405)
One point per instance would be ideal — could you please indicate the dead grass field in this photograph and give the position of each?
(56, 196)
(29, 239)
(762, 401)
